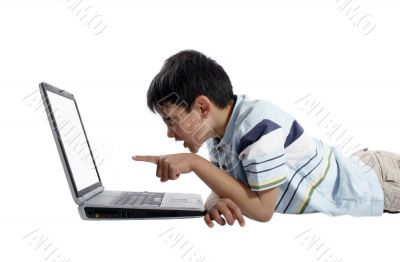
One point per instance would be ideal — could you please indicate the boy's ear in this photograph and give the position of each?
(204, 105)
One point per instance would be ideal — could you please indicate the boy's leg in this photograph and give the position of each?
(390, 165)
(387, 166)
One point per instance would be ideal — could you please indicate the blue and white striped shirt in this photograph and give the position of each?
(265, 147)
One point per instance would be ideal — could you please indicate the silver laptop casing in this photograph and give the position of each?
(170, 201)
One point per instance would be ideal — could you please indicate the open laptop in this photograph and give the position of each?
(83, 177)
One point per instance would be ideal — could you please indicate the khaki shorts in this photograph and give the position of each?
(387, 166)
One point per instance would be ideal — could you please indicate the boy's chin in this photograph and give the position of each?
(193, 149)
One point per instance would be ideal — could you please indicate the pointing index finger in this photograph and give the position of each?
(150, 159)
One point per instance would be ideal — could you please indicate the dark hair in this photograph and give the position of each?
(186, 75)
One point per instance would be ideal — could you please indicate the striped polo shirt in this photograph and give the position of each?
(264, 147)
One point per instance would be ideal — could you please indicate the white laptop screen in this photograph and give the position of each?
(74, 141)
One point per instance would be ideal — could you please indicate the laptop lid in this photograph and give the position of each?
(72, 143)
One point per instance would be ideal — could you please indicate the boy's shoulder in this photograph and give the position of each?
(254, 111)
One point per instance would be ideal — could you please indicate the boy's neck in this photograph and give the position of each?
(222, 119)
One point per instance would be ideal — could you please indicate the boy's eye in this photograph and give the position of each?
(170, 121)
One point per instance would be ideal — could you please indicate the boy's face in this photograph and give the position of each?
(193, 128)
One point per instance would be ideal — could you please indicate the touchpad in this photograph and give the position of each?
(178, 200)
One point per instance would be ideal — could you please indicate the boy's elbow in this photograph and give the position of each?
(264, 217)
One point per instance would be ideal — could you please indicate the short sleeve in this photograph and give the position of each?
(262, 153)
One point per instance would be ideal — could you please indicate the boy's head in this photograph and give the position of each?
(191, 93)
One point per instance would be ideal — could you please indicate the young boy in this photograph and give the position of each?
(261, 159)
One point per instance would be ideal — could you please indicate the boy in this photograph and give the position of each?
(261, 159)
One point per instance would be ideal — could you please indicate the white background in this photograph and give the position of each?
(278, 50)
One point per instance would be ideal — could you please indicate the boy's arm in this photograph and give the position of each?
(255, 205)
(211, 199)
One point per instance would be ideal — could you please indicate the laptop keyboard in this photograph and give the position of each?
(139, 199)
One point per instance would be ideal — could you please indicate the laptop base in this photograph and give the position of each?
(125, 213)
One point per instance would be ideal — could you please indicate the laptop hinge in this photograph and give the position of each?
(89, 195)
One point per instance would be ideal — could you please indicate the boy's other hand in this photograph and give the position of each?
(227, 208)
(169, 167)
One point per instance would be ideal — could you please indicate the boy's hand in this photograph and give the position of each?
(225, 207)
(169, 167)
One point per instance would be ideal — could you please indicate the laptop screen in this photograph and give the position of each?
(74, 141)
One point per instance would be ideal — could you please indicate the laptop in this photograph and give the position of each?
(87, 189)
